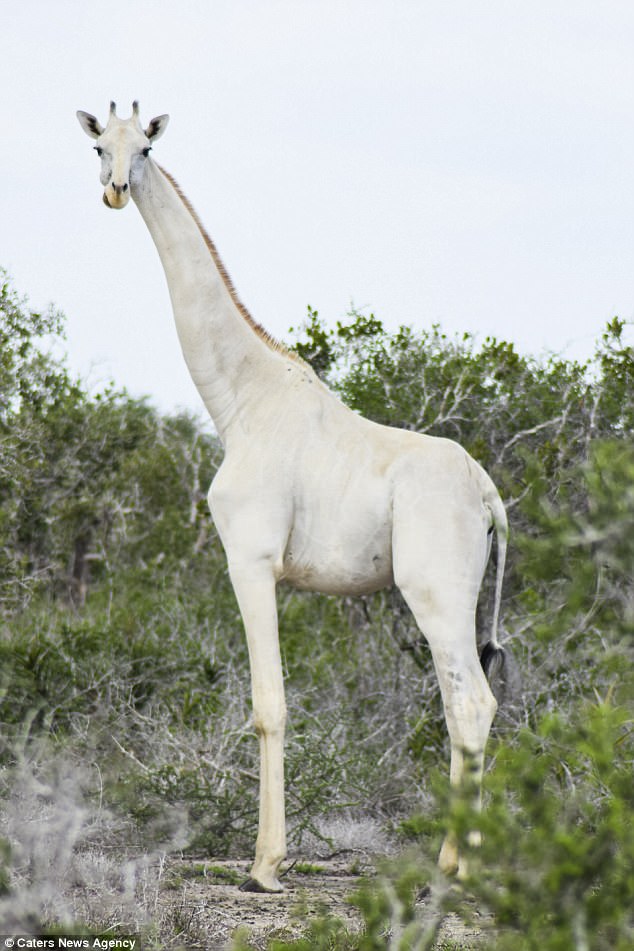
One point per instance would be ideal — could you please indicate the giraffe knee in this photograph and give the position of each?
(269, 719)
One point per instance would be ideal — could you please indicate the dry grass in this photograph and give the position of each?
(64, 868)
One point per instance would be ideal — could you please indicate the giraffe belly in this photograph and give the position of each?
(334, 558)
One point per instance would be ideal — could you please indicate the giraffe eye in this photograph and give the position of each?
(99, 151)
(146, 152)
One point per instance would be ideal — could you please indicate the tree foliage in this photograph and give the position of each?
(90, 485)
(121, 643)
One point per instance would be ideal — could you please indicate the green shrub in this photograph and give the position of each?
(557, 864)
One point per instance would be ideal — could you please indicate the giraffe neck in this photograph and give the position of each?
(229, 357)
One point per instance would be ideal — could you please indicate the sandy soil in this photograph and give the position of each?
(202, 905)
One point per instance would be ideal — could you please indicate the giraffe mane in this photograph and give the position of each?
(261, 331)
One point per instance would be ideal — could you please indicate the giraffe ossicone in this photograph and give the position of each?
(310, 493)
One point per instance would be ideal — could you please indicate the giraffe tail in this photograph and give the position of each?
(493, 656)
(493, 660)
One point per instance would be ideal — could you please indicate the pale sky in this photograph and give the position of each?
(469, 163)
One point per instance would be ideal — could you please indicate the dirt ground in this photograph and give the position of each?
(202, 906)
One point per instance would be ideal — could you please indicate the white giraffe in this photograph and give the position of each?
(312, 494)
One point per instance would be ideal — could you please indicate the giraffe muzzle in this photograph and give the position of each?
(116, 196)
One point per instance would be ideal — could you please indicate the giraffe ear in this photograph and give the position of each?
(89, 124)
(157, 127)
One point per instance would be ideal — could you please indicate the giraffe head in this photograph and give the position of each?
(123, 146)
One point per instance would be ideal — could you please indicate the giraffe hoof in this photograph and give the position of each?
(252, 885)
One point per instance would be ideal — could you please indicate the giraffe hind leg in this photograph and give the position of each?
(442, 594)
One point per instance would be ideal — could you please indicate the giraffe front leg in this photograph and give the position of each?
(255, 591)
